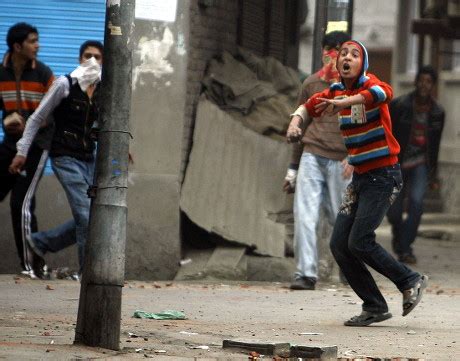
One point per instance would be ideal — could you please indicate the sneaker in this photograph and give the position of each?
(412, 296)
(366, 318)
(407, 258)
(303, 283)
(30, 274)
(37, 265)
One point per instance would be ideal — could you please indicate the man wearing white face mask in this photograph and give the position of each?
(71, 103)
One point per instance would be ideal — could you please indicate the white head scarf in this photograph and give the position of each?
(87, 73)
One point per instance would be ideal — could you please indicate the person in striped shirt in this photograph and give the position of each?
(23, 82)
(361, 101)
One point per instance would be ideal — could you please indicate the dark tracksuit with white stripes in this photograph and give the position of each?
(23, 96)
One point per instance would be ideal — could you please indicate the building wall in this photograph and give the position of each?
(403, 74)
(212, 30)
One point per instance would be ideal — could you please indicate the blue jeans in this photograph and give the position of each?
(353, 244)
(75, 177)
(319, 182)
(405, 231)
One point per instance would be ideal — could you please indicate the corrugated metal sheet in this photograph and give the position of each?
(62, 25)
(233, 181)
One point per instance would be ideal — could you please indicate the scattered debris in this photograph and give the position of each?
(201, 347)
(65, 273)
(156, 285)
(132, 335)
(310, 333)
(411, 332)
(188, 333)
(438, 292)
(159, 351)
(49, 287)
(138, 350)
(435, 234)
(163, 315)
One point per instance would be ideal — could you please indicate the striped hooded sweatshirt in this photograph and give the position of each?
(365, 128)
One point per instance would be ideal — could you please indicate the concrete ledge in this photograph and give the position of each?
(227, 263)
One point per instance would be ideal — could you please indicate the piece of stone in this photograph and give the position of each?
(281, 349)
(316, 352)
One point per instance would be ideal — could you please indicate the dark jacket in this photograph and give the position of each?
(74, 120)
(402, 115)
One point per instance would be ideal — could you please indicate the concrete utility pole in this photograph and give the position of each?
(330, 15)
(99, 312)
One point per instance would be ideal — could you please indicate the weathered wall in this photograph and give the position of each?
(212, 30)
(159, 74)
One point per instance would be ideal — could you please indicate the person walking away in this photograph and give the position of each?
(23, 82)
(361, 100)
(418, 121)
(72, 102)
(323, 173)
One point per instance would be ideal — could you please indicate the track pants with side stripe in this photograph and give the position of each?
(22, 200)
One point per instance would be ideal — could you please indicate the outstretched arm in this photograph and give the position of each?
(58, 91)
(333, 106)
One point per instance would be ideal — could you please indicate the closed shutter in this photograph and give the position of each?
(62, 25)
(270, 28)
(252, 26)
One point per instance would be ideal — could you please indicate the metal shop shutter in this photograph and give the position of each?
(62, 25)
(270, 28)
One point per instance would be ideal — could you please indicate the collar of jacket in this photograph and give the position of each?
(7, 63)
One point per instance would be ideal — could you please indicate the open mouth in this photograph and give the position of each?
(346, 66)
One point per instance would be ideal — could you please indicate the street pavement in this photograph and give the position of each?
(37, 318)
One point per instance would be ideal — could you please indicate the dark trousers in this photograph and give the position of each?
(22, 200)
(405, 231)
(353, 244)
